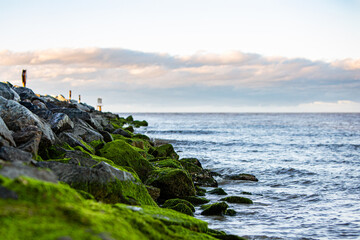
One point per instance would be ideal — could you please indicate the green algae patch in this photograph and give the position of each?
(171, 163)
(236, 199)
(174, 183)
(218, 191)
(122, 154)
(166, 150)
(56, 211)
(183, 208)
(173, 202)
(214, 209)
(197, 200)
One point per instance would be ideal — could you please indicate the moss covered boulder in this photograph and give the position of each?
(236, 199)
(197, 200)
(173, 202)
(173, 183)
(104, 182)
(218, 191)
(44, 210)
(123, 154)
(166, 150)
(200, 176)
(214, 209)
(171, 163)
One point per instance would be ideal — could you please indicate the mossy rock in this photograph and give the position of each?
(183, 208)
(199, 175)
(214, 209)
(122, 154)
(197, 200)
(230, 212)
(130, 129)
(236, 199)
(52, 211)
(138, 124)
(174, 183)
(200, 191)
(171, 163)
(218, 191)
(172, 202)
(166, 150)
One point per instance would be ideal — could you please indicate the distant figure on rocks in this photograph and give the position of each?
(24, 77)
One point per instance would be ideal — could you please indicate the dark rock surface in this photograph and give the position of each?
(8, 93)
(6, 138)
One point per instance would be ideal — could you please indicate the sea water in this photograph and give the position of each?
(308, 166)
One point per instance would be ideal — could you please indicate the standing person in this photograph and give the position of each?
(24, 77)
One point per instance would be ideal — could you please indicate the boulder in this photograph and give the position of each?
(236, 199)
(83, 130)
(12, 154)
(14, 170)
(6, 138)
(25, 93)
(123, 154)
(76, 114)
(18, 117)
(214, 209)
(28, 139)
(60, 122)
(122, 132)
(242, 176)
(8, 93)
(107, 136)
(173, 183)
(166, 150)
(200, 176)
(73, 141)
(197, 200)
(173, 202)
(217, 191)
(104, 182)
(154, 192)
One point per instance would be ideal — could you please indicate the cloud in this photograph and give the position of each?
(249, 76)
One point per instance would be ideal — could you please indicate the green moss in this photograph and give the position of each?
(218, 191)
(171, 163)
(88, 147)
(118, 122)
(122, 154)
(214, 209)
(230, 212)
(200, 191)
(196, 200)
(173, 202)
(141, 136)
(183, 208)
(166, 150)
(96, 144)
(236, 199)
(85, 195)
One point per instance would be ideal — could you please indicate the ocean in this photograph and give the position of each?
(308, 166)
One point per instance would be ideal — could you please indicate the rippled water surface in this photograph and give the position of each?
(308, 166)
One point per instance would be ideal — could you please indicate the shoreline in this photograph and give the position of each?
(140, 186)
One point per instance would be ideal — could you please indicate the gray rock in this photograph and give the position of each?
(114, 172)
(15, 170)
(28, 139)
(76, 114)
(80, 158)
(6, 138)
(122, 132)
(12, 154)
(107, 136)
(72, 140)
(60, 122)
(18, 117)
(242, 176)
(83, 130)
(25, 93)
(8, 93)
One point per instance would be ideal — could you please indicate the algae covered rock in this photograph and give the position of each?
(173, 183)
(182, 208)
(200, 176)
(122, 154)
(166, 150)
(173, 202)
(214, 209)
(218, 191)
(103, 181)
(236, 199)
(242, 176)
(197, 200)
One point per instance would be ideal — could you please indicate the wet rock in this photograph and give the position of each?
(12, 154)
(28, 139)
(29, 106)
(200, 176)
(166, 150)
(39, 104)
(173, 202)
(183, 208)
(103, 181)
(214, 209)
(230, 212)
(6, 138)
(83, 130)
(218, 191)
(8, 93)
(242, 176)
(18, 117)
(236, 199)
(197, 200)
(80, 158)
(72, 140)
(107, 136)
(60, 122)
(25, 93)
(76, 114)
(122, 132)
(154, 192)
(173, 183)
(15, 170)
(7, 193)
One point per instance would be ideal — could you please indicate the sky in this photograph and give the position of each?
(187, 56)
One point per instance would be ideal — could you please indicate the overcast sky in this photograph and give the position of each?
(188, 56)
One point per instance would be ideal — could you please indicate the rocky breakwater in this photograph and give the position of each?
(68, 171)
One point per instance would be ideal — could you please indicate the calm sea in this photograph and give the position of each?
(308, 166)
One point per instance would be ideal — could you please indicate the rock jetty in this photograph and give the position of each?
(69, 172)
